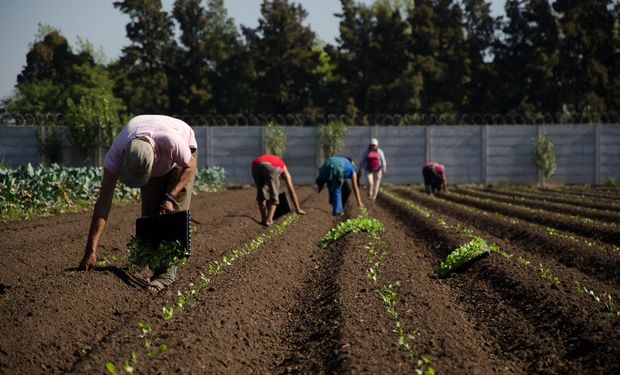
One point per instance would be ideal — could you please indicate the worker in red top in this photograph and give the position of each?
(267, 170)
(434, 178)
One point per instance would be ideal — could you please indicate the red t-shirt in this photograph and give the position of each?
(271, 159)
(438, 167)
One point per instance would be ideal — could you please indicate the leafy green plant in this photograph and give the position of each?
(611, 182)
(275, 139)
(106, 260)
(209, 179)
(141, 254)
(168, 312)
(357, 224)
(545, 273)
(543, 156)
(608, 302)
(462, 256)
(331, 137)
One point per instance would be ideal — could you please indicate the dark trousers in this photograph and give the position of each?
(432, 180)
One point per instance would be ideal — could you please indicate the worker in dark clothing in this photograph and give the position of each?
(435, 179)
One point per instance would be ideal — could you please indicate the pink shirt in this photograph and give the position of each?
(438, 167)
(172, 140)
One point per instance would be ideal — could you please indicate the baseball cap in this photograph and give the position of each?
(137, 163)
(374, 141)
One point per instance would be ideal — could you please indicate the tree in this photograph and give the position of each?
(143, 79)
(281, 49)
(586, 54)
(51, 70)
(438, 45)
(191, 91)
(231, 69)
(480, 36)
(526, 60)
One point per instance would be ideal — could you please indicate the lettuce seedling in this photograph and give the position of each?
(462, 256)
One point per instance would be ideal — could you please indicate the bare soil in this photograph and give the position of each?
(293, 307)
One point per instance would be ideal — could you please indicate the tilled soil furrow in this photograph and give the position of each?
(605, 232)
(606, 216)
(601, 265)
(238, 321)
(611, 196)
(92, 305)
(556, 330)
(584, 202)
(447, 328)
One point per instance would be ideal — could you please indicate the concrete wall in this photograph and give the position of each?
(471, 154)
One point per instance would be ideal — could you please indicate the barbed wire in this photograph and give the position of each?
(413, 119)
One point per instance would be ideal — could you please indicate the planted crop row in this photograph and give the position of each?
(186, 298)
(30, 190)
(606, 232)
(388, 292)
(554, 317)
(585, 202)
(582, 212)
(598, 260)
(542, 270)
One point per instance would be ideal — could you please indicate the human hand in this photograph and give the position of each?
(301, 212)
(166, 207)
(88, 261)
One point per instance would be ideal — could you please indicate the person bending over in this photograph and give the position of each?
(435, 179)
(267, 170)
(157, 154)
(335, 172)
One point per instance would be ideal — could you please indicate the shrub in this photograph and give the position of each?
(275, 139)
(543, 156)
(331, 137)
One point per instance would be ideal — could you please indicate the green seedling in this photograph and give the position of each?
(523, 261)
(357, 224)
(168, 312)
(141, 255)
(106, 261)
(462, 256)
(545, 273)
(607, 302)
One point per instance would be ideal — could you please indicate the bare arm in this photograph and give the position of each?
(445, 182)
(184, 177)
(291, 190)
(356, 190)
(99, 219)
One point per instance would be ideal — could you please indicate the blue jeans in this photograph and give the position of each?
(338, 196)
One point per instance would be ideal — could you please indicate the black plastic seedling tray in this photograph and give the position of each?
(167, 227)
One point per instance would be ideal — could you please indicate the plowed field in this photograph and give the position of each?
(257, 300)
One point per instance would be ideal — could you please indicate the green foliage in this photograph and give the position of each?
(31, 189)
(331, 137)
(141, 254)
(462, 256)
(611, 182)
(606, 299)
(357, 224)
(209, 179)
(281, 50)
(275, 139)
(143, 80)
(28, 189)
(543, 155)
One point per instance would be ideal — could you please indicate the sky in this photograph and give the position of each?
(98, 22)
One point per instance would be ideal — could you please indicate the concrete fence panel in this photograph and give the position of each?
(471, 154)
